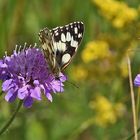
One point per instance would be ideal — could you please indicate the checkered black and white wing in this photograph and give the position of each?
(65, 41)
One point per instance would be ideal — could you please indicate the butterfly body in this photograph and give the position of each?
(60, 45)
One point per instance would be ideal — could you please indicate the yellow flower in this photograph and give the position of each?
(126, 16)
(106, 112)
(95, 50)
(117, 11)
(105, 118)
(101, 102)
(124, 68)
(78, 73)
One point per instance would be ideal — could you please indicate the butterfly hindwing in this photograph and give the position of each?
(60, 44)
(45, 37)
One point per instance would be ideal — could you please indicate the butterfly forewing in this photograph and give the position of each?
(66, 40)
(61, 44)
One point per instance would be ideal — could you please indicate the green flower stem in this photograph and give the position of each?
(130, 137)
(132, 98)
(7, 124)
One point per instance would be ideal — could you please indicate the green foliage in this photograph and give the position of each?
(100, 108)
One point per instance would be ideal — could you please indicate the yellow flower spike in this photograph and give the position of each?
(118, 12)
(119, 23)
(95, 50)
(106, 112)
(124, 68)
(103, 103)
(79, 73)
(104, 119)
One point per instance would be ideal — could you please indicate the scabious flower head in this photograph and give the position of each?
(26, 75)
(137, 80)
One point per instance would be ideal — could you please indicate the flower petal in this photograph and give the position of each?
(62, 77)
(23, 92)
(28, 102)
(57, 86)
(36, 82)
(137, 80)
(48, 95)
(3, 65)
(11, 95)
(35, 93)
(7, 85)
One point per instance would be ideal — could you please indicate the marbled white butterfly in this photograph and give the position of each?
(60, 45)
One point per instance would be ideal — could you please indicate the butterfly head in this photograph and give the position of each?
(45, 36)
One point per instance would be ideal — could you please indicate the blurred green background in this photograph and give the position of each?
(100, 108)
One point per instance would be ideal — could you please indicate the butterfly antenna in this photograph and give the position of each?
(73, 84)
(132, 50)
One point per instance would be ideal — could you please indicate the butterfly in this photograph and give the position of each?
(60, 45)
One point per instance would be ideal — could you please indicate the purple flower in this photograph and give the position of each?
(137, 80)
(25, 75)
